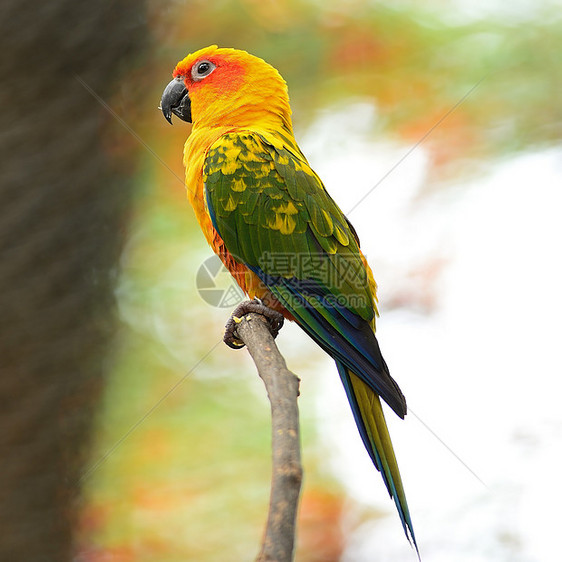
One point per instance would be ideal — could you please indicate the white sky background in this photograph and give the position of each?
(479, 364)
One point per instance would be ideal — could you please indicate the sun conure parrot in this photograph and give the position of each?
(270, 220)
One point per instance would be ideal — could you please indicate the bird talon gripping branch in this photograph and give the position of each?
(274, 320)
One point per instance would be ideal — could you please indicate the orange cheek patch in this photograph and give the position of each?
(227, 76)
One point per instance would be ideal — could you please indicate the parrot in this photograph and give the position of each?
(269, 218)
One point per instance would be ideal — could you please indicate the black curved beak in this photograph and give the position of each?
(175, 99)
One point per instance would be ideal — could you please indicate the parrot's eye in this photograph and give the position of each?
(202, 69)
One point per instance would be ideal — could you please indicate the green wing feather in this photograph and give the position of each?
(275, 217)
(273, 213)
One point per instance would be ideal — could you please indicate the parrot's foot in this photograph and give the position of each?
(274, 319)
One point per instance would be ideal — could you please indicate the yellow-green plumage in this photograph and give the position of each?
(268, 216)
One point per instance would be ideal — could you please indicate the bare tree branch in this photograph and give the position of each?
(282, 389)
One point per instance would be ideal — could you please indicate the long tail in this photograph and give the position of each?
(350, 340)
(369, 417)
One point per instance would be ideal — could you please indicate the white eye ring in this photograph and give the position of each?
(202, 69)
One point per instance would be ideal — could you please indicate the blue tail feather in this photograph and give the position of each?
(384, 460)
(354, 345)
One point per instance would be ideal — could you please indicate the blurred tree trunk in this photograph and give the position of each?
(63, 210)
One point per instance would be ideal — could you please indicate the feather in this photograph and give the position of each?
(369, 417)
(276, 218)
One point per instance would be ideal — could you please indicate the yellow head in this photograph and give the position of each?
(226, 87)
